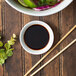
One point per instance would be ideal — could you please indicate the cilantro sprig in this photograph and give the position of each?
(6, 49)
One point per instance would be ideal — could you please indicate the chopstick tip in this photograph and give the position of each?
(75, 40)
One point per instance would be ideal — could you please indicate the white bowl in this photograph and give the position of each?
(32, 12)
(40, 51)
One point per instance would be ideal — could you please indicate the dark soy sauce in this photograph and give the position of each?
(36, 37)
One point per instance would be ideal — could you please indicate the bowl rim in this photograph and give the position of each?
(50, 11)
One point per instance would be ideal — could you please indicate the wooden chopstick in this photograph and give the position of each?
(49, 51)
(54, 57)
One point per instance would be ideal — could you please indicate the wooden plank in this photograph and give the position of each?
(74, 12)
(21, 61)
(13, 66)
(1, 67)
(68, 59)
(0, 19)
(1, 70)
(28, 59)
(53, 68)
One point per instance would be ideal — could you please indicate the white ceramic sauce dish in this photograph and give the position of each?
(40, 51)
(32, 12)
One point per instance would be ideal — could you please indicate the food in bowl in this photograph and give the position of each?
(39, 5)
(52, 10)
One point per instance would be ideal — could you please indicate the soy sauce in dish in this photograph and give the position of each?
(36, 37)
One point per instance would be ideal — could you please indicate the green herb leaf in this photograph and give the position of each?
(3, 55)
(0, 37)
(2, 50)
(7, 52)
(11, 42)
(7, 46)
(2, 61)
(10, 53)
(1, 44)
(47, 2)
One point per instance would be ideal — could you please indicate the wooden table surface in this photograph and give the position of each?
(12, 21)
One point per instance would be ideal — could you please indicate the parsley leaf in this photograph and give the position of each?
(1, 44)
(7, 46)
(7, 51)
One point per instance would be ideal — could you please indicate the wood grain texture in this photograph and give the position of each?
(12, 24)
(12, 21)
(29, 59)
(1, 67)
(1, 70)
(68, 57)
(0, 12)
(52, 68)
(74, 12)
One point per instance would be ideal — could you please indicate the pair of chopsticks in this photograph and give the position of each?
(50, 52)
(54, 57)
